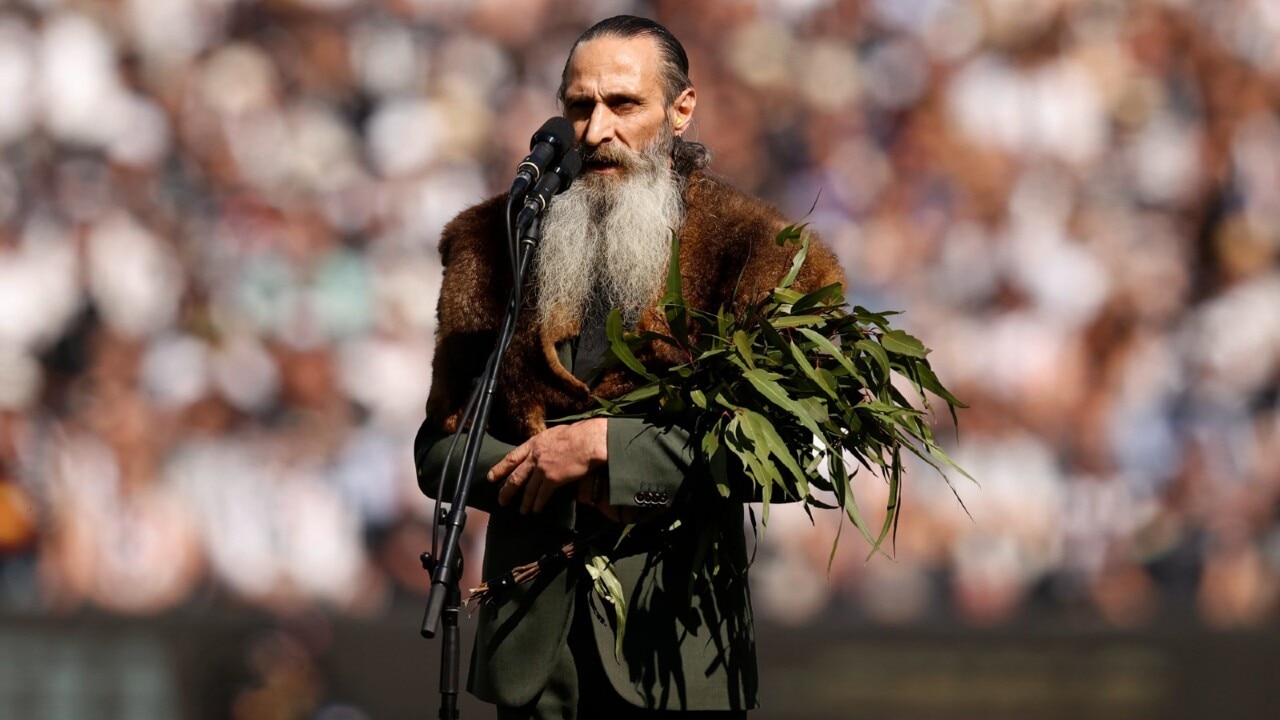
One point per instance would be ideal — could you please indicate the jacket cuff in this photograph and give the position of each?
(647, 464)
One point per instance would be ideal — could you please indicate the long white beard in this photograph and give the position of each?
(608, 240)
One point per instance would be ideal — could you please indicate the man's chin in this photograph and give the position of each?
(602, 177)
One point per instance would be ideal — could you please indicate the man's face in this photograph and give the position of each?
(614, 98)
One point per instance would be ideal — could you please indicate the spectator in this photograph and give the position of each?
(217, 268)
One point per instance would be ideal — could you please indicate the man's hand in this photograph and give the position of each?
(550, 460)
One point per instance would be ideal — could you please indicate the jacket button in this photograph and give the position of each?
(639, 498)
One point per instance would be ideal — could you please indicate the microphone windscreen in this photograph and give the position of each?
(570, 166)
(558, 131)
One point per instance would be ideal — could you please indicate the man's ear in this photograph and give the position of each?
(682, 110)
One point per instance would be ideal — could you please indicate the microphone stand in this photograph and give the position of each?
(445, 600)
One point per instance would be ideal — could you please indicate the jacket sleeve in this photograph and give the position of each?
(431, 453)
(648, 466)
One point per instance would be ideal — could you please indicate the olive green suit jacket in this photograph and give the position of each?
(688, 641)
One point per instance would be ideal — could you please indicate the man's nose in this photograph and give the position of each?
(599, 127)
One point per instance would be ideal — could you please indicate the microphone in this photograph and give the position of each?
(556, 181)
(546, 146)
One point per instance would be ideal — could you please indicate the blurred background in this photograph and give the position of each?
(218, 275)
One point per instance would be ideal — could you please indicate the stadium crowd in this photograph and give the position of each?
(218, 275)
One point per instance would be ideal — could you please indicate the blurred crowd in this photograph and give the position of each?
(218, 275)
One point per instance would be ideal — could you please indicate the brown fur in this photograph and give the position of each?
(726, 234)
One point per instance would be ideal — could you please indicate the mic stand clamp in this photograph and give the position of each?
(451, 641)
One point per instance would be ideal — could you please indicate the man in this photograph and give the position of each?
(547, 650)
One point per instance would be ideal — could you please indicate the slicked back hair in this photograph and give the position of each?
(675, 63)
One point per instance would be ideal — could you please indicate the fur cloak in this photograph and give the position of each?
(726, 235)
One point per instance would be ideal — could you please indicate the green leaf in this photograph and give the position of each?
(828, 347)
(826, 383)
(772, 336)
(723, 400)
(766, 499)
(879, 319)
(811, 500)
(675, 286)
(850, 504)
(897, 341)
(644, 392)
(789, 279)
(700, 552)
(892, 504)
(719, 464)
(673, 302)
(791, 321)
(877, 353)
(621, 350)
(763, 473)
(717, 459)
(831, 556)
(699, 398)
(715, 351)
(822, 295)
(774, 393)
(651, 336)
(786, 296)
(930, 382)
(768, 437)
(743, 345)
(815, 408)
(827, 377)
(790, 234)
(609, 588)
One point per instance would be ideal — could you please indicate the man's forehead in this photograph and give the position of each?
(634, 62)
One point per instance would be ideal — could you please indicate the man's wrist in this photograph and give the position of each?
(598, 431)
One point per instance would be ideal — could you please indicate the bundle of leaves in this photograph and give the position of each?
(797, 393)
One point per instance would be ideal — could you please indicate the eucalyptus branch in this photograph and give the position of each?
(786, 389)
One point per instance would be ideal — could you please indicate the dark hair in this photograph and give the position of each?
(675, 63)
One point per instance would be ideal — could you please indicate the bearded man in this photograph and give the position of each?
(547, 650)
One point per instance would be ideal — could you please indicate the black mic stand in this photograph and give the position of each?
(445, 599)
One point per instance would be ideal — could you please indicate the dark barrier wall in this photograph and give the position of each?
(219, 269)
(220, 666)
